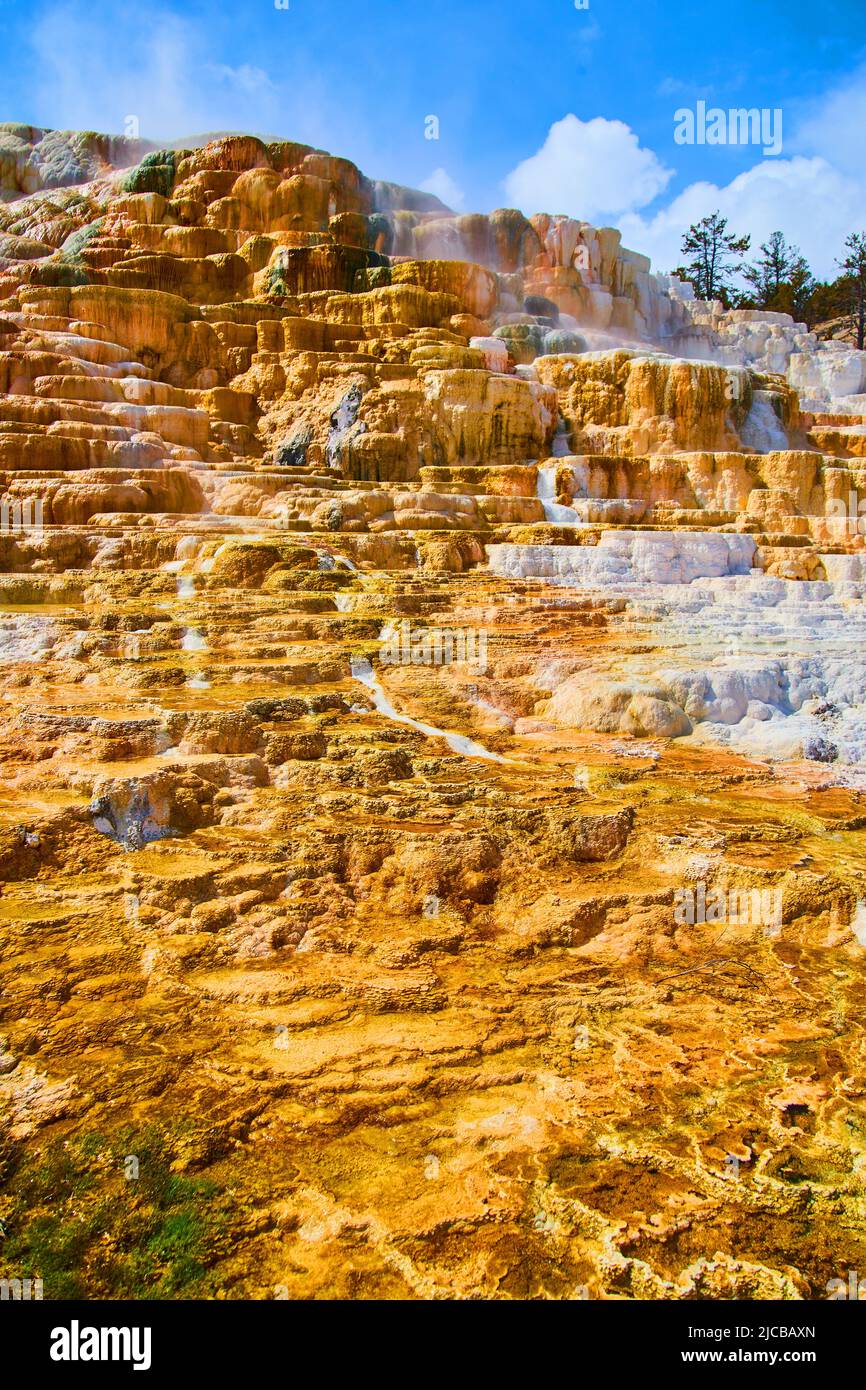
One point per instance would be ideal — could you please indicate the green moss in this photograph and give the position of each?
(525, 340)
(372, 278)
(276, 282)
(73, 1219)
(155, 174)
(562, 340)
(59, 272)
(68, 266)
(75, 243)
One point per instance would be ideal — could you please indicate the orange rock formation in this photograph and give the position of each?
(323, 975)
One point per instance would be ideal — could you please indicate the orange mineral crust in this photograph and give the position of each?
(432, 753)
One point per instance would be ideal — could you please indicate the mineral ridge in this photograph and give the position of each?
(433, 749)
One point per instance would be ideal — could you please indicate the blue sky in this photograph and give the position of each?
(539, 104)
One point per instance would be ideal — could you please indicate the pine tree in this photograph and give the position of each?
(770, 271)
(854, 264)
(780, 278)
(802, 284)
(714, 255)
(773, 270)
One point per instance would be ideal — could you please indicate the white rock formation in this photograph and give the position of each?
(629, 558)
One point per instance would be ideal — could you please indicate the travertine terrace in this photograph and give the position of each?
(368, 934)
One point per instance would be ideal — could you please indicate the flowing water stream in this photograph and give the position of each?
(362, 671)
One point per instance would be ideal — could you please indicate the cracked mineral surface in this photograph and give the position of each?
(433, 750)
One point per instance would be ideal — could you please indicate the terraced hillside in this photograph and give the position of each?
(405, 617)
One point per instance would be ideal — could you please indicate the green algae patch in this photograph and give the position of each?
(109, 1217)
(155, 174)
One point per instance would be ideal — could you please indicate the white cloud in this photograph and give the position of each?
(597, 170)
(441, 184)
(833, 125)
(816, 197)
(815, 205)
(588, 169)
(148, 63)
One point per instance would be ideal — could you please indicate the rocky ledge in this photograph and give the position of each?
(433, 739)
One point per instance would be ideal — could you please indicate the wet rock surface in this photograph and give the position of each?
(400, 685)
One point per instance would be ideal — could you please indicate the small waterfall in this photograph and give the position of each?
(545, 491)
(762, 430)
(560, 447)
(328, 562)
